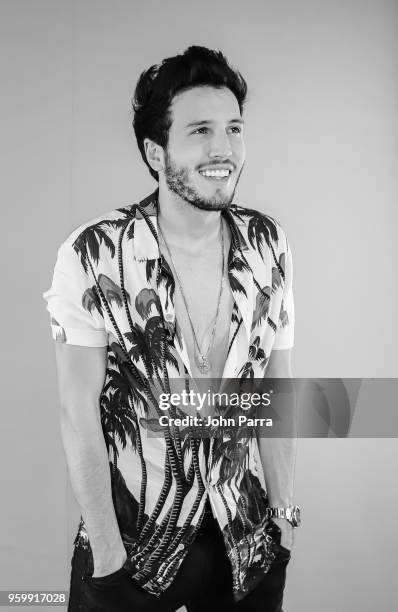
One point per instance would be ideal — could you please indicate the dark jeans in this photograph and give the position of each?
(203, 584)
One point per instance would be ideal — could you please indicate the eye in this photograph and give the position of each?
(201, 130)
(236, 129)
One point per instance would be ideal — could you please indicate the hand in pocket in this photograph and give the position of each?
(116, 592)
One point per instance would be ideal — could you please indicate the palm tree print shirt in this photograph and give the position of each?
(111, 287)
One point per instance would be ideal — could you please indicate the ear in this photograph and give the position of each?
(154, 154)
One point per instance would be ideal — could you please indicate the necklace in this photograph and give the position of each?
(201, 358)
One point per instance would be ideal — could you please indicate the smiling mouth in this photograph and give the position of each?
(217, 175)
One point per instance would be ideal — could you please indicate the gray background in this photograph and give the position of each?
(322, 158)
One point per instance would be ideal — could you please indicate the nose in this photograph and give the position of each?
(220, 145)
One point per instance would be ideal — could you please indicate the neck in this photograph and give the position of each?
(185, 224)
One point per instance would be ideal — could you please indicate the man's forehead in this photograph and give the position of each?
(204, 103)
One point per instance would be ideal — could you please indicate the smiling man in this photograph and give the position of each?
(206, 179)
(183, 286)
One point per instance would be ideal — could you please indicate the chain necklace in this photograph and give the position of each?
(201, 358)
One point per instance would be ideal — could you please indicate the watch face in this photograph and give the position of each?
(296, 515)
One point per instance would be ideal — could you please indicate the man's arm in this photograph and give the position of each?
(81, 374)
(278, 455)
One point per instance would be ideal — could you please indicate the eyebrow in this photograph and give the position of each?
(207, 121)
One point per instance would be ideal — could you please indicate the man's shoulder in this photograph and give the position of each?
(255, 222)
(100, 228)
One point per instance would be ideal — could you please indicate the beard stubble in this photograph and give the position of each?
(177, 181)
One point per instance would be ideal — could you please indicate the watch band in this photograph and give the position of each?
(290, 513)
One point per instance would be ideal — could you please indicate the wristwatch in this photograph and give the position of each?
(291, 514)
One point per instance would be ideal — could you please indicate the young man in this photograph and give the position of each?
(184, 286)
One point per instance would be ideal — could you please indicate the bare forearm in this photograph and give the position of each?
(88, 467)
(277, 459)
(278, 454)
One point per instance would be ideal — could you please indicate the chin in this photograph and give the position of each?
(206, 202)
(196, 196)
(208, 205)
(218, 201)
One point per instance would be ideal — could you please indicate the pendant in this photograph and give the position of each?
(203, 364)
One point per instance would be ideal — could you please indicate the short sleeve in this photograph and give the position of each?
(284, 337)
(72, 302)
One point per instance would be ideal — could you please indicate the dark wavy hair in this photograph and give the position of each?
(158, 85)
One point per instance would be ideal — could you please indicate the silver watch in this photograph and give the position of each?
(291, 514)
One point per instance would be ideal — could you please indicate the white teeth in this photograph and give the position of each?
(216, 173)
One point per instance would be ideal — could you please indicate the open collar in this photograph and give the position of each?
(146, 247)
(146, 241)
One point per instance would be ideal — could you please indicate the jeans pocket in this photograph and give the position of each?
(284, 552)
(109, 578)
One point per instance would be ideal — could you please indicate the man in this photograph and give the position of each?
(184, 286)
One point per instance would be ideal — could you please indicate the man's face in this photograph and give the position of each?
(205, 151)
